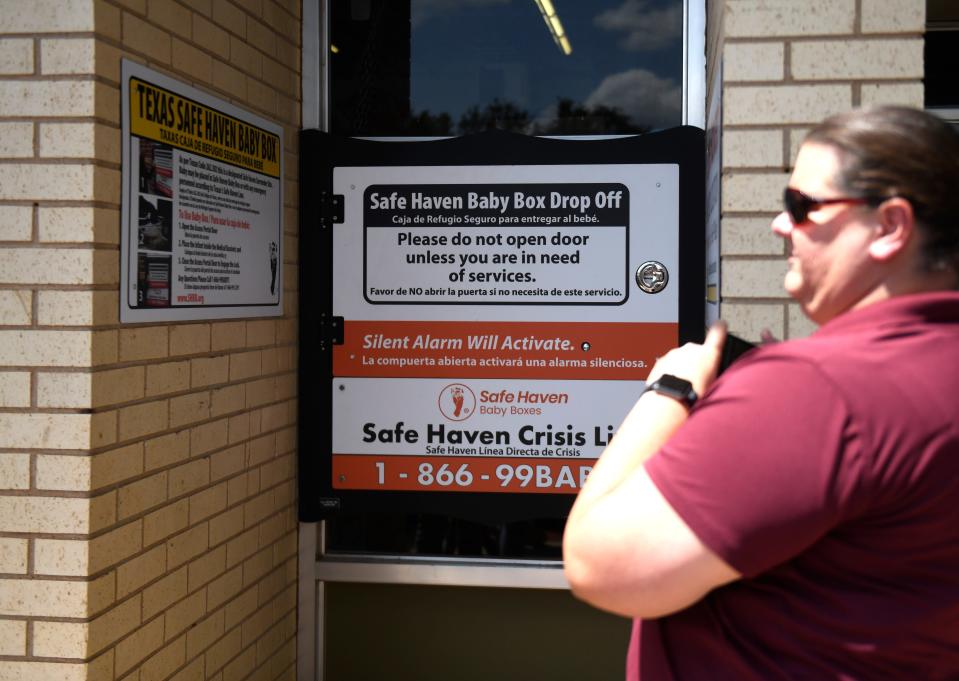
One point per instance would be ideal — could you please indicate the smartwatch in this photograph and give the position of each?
(679, 389)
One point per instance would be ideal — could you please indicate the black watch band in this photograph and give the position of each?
(679, 389)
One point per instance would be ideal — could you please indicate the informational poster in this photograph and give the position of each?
(498, 321)
(202, 225)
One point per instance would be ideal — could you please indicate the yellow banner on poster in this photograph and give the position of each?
(164, 116)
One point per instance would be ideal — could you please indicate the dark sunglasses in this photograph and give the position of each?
(799, 205)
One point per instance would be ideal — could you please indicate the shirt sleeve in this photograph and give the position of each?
(765, 463)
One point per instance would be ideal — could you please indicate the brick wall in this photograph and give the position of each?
(786, 66)
(147, 519)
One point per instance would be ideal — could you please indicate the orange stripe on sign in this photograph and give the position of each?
(552, 350)
(460, 474)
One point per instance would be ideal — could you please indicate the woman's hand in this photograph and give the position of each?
(694, 362)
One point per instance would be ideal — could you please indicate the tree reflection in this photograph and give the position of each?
(568, 117)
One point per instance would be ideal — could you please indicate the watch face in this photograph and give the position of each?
(677, 385)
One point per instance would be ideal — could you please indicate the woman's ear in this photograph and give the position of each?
(897, 227)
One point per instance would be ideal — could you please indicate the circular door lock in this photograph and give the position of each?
(652, 276)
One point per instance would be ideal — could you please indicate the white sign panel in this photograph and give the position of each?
(201, 234)
(494, 333)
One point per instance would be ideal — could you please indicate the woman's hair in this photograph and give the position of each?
(889, 151)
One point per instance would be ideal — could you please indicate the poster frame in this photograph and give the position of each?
(128, 314)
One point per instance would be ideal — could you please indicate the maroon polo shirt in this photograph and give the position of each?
(826, 471)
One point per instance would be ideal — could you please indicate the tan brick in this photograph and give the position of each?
(188, 477)
(165, 522)
(769, 18)
(848, 59)
(16, 308)
(161, 665)
(212, 36)
(753, 61)
(14, 471)
(240, 608)
(239, 488)
(200, 637)
(193, 671)
(191, 61)
(45, 598)
(44, 431)
(749, 236)
(189, 339)
(244, 365)
(753, 192)
(279, 76)
(114, 546)
(224, 588)
(63, 472)
(170, 16)
(42, 671)
(143, 343)
(903, 94)
(242, 547)
(168, 449)
(189, 408)
(800, 325)
(169, 377)
(228, 462)
(65, 308)
(753, 278)
(261, 36)
(229, 335)
(141, 570)
(207, 567)
(261, 97)
(14, 389)
(13, 556)
(16, 139)
(158, 597)
(185, 614)
(206, 371)
(753, 148)
(16, 56)
(16, 224)
(141, 644)
(46, 182)
(45, 16)
(748, 320)
(239, 429)
(140, 36)
(230, 17)
(187, 545)
(143, 419)
(239, 667)
(67, 55)
(76, 224)
(68, 140)
(230, 399)
(45, 348)
(893, 16)
(114, 624)
(206, 503)
(117, 386)
(60, 639)
(138, 496)
(102, 594)
(46, 265)
(208, 437)
(246, 58)
(117, 465)
(257, 566)
(13, 637)
(751, 105)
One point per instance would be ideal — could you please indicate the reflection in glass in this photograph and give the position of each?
(452, 67)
